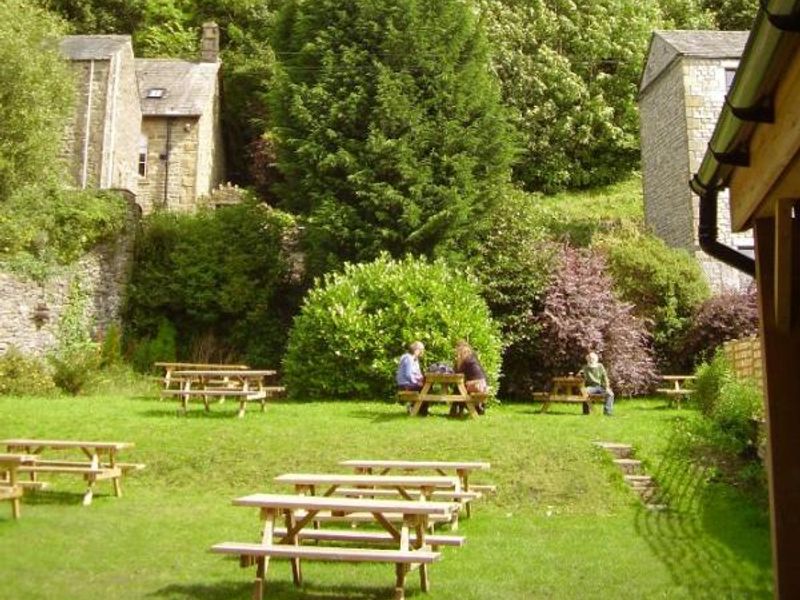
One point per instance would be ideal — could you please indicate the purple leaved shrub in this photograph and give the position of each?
(582, 313)
(729, 315)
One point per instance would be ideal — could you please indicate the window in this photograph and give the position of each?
(143, 155)
(156, 93)
(729, 75)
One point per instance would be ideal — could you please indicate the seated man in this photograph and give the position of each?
(409, 376)
(596, 381)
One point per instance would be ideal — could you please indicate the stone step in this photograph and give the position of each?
(638, 479)
(618, 450)
(629, 466)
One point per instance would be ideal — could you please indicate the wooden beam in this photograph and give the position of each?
(785, 241)
(773, 148)
(780, 351)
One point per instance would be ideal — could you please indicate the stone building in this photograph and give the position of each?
(100, 143)
(681, 93)
(148, 126)
(180, 155)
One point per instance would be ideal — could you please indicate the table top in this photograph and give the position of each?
(569, 379)
(444, 377)
(417, 464)
(178, 365)
(67, 444)
(224, 373)
(437, 481)
(17, 459)
(346, 505)
(678, 377)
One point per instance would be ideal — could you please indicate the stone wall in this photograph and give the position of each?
(84, 155)
(210, 155)
(679, 111)
(665, 163)
(123, 125)
(178, 175)
(103, 273)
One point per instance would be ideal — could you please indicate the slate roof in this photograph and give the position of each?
(188, 86)
(711, 44)
(666, 46)
(92, 47)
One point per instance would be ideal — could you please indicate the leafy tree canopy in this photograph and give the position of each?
(35, 98)
(389, 127)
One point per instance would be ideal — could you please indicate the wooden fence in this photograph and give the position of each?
(745, 358)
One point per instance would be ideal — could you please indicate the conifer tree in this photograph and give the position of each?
(388, 125)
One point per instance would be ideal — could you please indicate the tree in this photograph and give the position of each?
(389, 129)
(35, 98)
(733, 15)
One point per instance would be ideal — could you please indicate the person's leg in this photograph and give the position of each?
(609, 406)
(591, 390)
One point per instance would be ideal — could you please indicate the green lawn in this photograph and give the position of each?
(562, 525)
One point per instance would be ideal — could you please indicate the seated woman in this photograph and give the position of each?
(474, 375)
(409, 376)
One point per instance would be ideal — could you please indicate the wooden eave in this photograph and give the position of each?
(773, 173)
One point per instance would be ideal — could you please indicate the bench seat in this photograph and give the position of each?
(376, 537)
(326, 553)
(249, 394)
(674, 392)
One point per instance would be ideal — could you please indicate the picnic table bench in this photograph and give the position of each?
(462, 469)
(245, 385)
(10, 489)
(677, 389)
(93, 470)
(450, 389)
(568, 390)
(412, 550)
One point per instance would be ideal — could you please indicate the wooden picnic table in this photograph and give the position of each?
(444, 387)
(677, 389)
(571, 390)
(246, 385)
(10, 489)
(170, 367)
(298, 512)
(102, 463)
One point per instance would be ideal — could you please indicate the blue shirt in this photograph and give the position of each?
(408, 372)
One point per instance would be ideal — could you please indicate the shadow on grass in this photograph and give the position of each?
(278, 589)
(197, 412)
(709, 537)
(49, 497)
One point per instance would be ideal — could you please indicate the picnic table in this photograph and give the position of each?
(101, 465)
(677, 389)
(462, 469)
(412, 544)
(10, 489)
(570, 390)
(246, 385)
(443, 387)
(170, 367)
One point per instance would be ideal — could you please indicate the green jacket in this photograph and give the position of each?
(595, 376)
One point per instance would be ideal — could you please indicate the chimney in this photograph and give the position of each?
(209, 43)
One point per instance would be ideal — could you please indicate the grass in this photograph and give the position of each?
(562, 525)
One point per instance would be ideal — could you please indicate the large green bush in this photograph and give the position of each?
(665, 285)
(224, 275)
(355, 324)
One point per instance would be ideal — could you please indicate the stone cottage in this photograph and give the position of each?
(148, 126)
(681, 93)
(180, 154)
